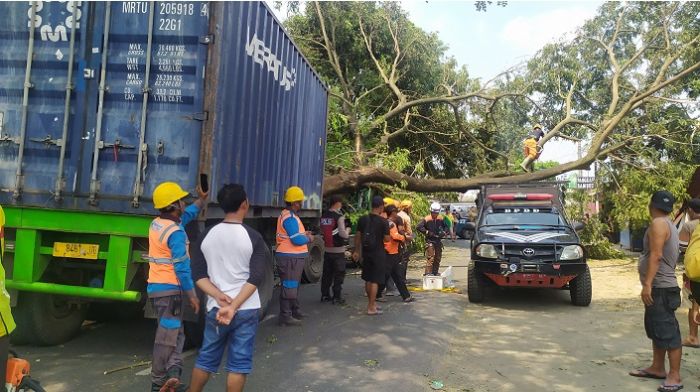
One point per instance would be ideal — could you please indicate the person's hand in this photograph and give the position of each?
(223, 300)
(226, 314)
(696, 317)
(349, 230)
(194, 301)
(646, 295)
(203, 196)
(310, 236)
(356, 256)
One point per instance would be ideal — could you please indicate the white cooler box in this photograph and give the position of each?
(438, 282)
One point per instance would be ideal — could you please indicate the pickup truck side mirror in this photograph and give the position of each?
(578, 226)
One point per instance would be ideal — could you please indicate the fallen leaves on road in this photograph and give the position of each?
(371, 363)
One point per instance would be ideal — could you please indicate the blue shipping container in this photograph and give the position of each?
(228, 94)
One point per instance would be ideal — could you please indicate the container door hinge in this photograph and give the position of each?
(201, 116)
(206, 39)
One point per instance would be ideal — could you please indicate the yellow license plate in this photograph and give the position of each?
(76, 251)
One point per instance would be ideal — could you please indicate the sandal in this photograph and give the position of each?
(670, 388)
(377, 313)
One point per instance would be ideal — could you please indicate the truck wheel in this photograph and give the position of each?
(475, 285)
(46, 319)
(581, 289)
(313, 266)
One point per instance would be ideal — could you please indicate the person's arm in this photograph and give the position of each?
(387, 236)
(395, 235)
(658, 234)
(342, 231)
(684, 234)
(292, 227)
(256, 275)
(421, 227)
(357, 252)
(181, 264)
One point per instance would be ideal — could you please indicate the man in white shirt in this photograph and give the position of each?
(228, 264)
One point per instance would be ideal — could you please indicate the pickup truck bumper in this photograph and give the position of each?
(530, 274)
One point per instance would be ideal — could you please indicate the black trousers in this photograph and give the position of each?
(333, 273)
(396, 270)
(4, 352)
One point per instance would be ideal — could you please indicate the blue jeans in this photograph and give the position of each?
(238, 336)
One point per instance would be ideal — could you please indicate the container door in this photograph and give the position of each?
(161, 46)
(41, 167)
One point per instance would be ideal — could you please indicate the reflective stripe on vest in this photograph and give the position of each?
(284, 241)
(160, 257)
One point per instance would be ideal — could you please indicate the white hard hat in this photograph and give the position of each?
(435, 207)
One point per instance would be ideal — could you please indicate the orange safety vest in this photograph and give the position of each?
(284, 242)
(160, 257)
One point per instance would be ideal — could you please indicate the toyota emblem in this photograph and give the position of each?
(529, 252)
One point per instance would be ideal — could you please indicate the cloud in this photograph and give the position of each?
(531, 33)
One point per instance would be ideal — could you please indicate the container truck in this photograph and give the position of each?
(102, 101)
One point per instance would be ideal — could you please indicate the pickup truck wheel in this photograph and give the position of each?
(313, 266)
(581, 289)
(475, 285)
(46, 319)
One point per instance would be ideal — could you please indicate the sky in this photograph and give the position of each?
(490, 42)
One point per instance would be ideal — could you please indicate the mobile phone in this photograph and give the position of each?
(204, 182)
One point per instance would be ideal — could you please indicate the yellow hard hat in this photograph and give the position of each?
(388, 201)
(166, 194)
(537, 126)
(406, 204)
(294, 193)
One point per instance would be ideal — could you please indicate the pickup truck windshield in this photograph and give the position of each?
(523, 218)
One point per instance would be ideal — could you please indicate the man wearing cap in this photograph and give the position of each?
(531, 149)
(661, 294)
(434, 229)
(372, 232)
(405, 214)
(291, 252)
(169, 279)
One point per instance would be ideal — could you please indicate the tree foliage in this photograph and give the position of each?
(404, 114)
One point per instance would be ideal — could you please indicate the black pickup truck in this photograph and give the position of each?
(523, 239)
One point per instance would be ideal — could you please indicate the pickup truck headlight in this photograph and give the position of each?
(571, 252)
(486, 251)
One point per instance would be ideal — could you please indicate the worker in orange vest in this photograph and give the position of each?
(170, 281)
(291, 252)
(531, 149)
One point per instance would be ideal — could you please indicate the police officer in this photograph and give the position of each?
(434, 228)
(291, 252)
(169, 279)
(335, 236)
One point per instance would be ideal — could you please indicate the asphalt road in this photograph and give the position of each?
(517, 340)
(337, 348)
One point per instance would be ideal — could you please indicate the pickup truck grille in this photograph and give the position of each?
(542, 253)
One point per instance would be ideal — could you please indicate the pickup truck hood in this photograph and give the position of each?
(528, 236)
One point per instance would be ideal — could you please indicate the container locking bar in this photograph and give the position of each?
(60, 177)
(143, 147)
(94, 182)
(19, 175)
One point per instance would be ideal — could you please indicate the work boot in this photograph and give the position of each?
(299, 315)
(526, 163)
(339, 301)
(290, 322)
(326, 298)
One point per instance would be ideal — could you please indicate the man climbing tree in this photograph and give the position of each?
(532, 150)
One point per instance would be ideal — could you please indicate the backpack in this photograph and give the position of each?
(369, 237)
(692, 256)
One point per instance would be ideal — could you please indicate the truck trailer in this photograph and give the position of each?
(102, 101)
